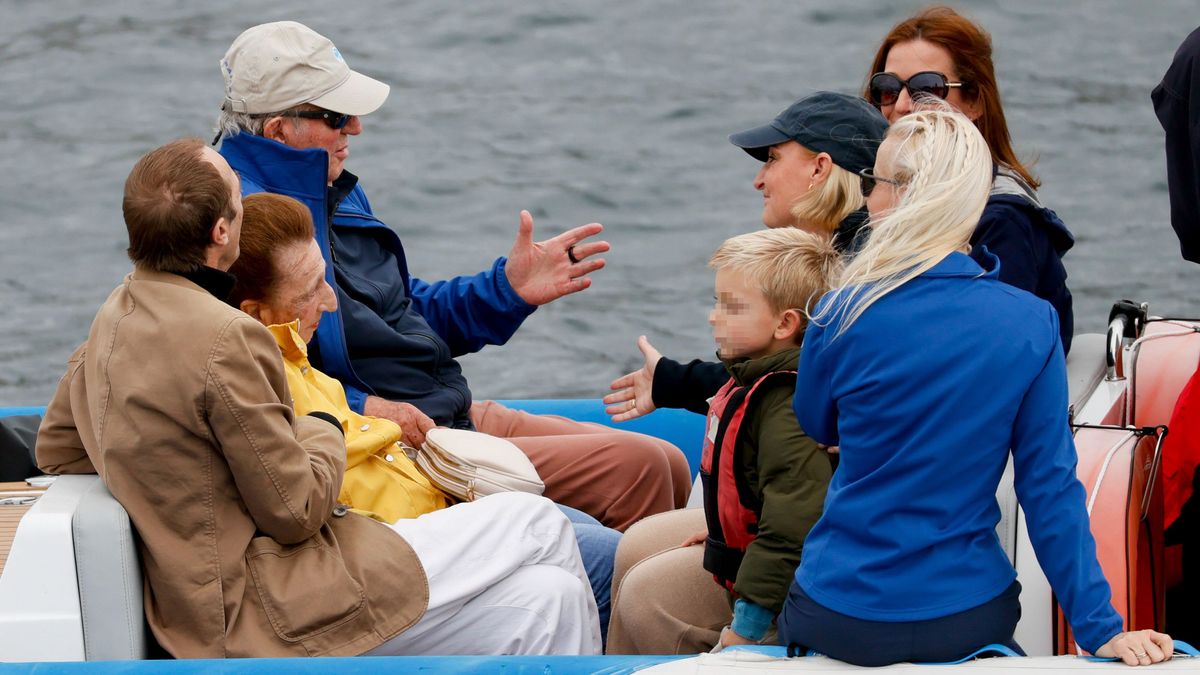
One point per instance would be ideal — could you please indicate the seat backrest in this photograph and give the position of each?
(110, 578)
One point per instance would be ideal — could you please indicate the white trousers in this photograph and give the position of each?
(505, 577)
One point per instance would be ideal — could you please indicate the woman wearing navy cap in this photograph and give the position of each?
(929, 371)
(811, 154)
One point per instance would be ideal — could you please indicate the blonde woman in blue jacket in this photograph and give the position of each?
(927, 370)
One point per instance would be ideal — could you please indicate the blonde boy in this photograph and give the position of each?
(764, 478)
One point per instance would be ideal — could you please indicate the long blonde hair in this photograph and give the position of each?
(944, 168)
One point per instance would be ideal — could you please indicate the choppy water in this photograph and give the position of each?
(579, 111)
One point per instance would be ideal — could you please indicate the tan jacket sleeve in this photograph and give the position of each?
(59, 446)
(288, 470)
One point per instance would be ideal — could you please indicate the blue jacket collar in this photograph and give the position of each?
(962, 265)
(276, 167)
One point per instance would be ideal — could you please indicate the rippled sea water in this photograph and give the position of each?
(579, 111)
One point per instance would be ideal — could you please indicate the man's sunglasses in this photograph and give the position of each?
(868, 180)
(333, 119)
(885, 87)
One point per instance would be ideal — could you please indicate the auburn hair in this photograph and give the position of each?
(970, 49)
(271, 224)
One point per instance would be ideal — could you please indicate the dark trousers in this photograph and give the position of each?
(806, 624)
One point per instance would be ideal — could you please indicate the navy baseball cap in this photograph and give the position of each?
(846, 127)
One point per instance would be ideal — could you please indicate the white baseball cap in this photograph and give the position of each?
(275, 66)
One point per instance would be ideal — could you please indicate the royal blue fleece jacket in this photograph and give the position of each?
(926, 393)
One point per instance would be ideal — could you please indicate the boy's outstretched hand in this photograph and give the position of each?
(633, 395)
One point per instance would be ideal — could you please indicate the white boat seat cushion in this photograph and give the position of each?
(110, 578)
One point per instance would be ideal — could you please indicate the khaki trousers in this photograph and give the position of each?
(617, 477)
(663, 601)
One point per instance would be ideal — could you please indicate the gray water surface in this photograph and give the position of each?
(614, 112)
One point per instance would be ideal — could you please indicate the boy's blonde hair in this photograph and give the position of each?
(826, 205)
(792, 268)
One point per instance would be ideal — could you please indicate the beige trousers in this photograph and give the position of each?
(663, 601)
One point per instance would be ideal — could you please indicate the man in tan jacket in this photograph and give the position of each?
(180, 402)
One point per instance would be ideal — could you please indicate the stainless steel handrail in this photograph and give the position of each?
(1114, 356)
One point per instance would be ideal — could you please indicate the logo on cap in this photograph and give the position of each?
(338, 55)
(227, 71)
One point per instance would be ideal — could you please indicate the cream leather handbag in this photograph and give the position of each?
(469, 465)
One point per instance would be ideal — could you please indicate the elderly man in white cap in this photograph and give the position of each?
(291, 106)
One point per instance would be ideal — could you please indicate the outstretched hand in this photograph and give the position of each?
(543, 271)
(634, 392)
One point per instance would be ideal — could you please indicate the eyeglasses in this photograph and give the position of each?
(333, 119)
(885, 87)
(868, 179)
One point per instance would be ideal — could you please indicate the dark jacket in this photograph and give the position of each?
(1030, 241)
(393, 335)
(1177, 104)
(787, 473)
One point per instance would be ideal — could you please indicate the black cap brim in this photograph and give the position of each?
(758, 140)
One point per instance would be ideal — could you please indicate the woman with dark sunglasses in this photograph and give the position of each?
(940, 53)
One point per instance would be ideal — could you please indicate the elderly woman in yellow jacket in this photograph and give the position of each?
(282, 283)
(381, 481)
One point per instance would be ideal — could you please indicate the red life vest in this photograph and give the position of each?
(730, 507)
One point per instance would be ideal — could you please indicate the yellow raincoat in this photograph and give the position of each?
(381, 481)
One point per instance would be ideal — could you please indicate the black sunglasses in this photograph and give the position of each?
(867, 181)
(885, 87)
(333, 119)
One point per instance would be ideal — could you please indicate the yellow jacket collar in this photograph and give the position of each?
(287, 335)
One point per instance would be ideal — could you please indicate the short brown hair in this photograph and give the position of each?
(173, 198)
(970, 48)
(791, 267)
(270, 224)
